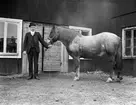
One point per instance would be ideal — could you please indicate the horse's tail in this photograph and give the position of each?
(118, 58)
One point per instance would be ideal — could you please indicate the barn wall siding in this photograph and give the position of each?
(95, 14)
(10, 66)
(121, 7)
(52, 56)
(119, 23)
(128, 68)
(100, 15)
(97, 64)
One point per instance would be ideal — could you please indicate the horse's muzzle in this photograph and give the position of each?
(48, 41)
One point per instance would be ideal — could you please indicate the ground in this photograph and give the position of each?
(60, 89)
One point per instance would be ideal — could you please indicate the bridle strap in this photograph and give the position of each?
(51, 39)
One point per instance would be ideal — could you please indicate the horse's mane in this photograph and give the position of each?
(69, 34)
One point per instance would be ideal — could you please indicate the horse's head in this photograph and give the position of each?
(54, 35)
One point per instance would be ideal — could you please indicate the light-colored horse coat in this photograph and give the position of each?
(79, 46)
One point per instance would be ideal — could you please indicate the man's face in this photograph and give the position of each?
(32, 28)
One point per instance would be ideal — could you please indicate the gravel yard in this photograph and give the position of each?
(60, 89)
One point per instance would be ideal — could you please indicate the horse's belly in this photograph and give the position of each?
(93, 52)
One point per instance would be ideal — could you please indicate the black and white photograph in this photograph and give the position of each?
(68, 52)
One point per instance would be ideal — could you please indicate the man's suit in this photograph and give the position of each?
(31, 46)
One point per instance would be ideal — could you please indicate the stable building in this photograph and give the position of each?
(89, 17)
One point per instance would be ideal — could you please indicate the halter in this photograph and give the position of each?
(51, 39)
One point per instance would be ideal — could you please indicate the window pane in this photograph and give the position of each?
(11, 38)
(134, 51)
(134, 41)
(134, 33)
(128, 42)
(134, 38)
(128, 34)
(85, 33)
(1, 36)
(128, 51)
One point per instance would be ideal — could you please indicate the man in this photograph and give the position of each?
(31, 47)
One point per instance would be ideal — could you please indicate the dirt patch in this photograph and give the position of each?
(60, 89)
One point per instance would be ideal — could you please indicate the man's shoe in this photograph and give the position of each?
(30, 77)
(37, 77)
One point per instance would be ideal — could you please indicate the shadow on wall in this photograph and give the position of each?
(95, 14)
(97, 64)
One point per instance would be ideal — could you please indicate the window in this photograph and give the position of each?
(83, 30)
(10, 38)
(129, 42)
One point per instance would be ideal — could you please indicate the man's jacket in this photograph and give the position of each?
(35, 39)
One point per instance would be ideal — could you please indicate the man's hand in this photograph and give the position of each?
(24, 52)
(48, 41)
(49, 46)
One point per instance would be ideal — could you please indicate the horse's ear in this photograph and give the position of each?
(53, 27)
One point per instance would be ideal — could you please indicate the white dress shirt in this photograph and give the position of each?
(32, 32)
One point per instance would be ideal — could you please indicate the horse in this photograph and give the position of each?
(90, 46)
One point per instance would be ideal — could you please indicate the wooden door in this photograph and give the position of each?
(52, 56)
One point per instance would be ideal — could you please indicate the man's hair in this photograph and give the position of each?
(32, 24)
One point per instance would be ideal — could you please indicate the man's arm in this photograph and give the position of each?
(45, 44)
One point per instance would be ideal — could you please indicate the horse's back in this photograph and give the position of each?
(99, 43)
(102, 38)
(108, 36)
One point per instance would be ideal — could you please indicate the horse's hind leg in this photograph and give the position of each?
(119, 78)
(119, 69)
(118, 65)
(77, 68)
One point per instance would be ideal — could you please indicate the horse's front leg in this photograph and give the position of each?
(77, 68)
(119, 78)
(117, 67)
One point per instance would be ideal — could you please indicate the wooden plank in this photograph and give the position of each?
(52, 57)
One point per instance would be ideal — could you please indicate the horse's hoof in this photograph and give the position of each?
(76, 79)
(109, 80)
(119, 79)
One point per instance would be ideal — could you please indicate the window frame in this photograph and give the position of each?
(18, 22)
(132, 56)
